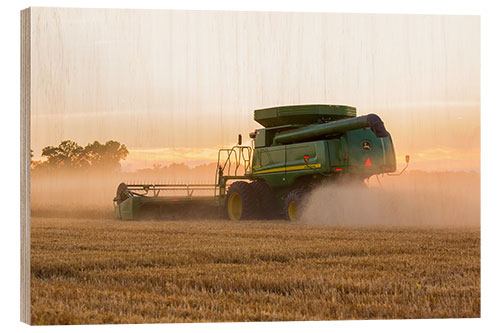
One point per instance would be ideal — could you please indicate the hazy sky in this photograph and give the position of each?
(176, 85)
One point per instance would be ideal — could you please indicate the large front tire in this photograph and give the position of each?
(266, 200)
(241, 201)
(294, 204)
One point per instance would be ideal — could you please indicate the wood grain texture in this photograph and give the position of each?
(25, 163)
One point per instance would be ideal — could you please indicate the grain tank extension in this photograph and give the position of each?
(298, 148)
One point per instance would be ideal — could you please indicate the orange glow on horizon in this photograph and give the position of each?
(439, 158)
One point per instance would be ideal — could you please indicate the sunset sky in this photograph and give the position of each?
(174, 86)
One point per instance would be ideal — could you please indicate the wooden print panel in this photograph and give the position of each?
(149, 97)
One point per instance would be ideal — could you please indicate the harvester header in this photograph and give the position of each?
(298, 148)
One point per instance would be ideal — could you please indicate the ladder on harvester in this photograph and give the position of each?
(237, 165)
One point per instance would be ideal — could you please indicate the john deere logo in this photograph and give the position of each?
(367, 146)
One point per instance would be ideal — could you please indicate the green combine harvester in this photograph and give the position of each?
(299, 148)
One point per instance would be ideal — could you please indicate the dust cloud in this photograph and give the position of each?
(73, 195)
(412, 199)
(89, 194)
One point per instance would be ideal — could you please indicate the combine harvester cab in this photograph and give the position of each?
(298, 148)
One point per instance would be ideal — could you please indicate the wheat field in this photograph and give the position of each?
(88, 271)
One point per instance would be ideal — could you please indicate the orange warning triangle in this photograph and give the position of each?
(368, 162)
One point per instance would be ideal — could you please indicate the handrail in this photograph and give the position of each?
(407, 158)
(239, 155)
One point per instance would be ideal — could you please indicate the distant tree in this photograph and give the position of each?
(33, 164)
(105, 156)
(68, 154)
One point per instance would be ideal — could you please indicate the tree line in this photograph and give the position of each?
(69, 155)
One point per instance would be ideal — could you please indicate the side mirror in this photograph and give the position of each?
(239, 139)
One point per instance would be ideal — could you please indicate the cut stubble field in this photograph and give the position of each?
(88, 271)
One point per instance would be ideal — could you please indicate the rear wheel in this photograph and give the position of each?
(241, 201)
(294, 204)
